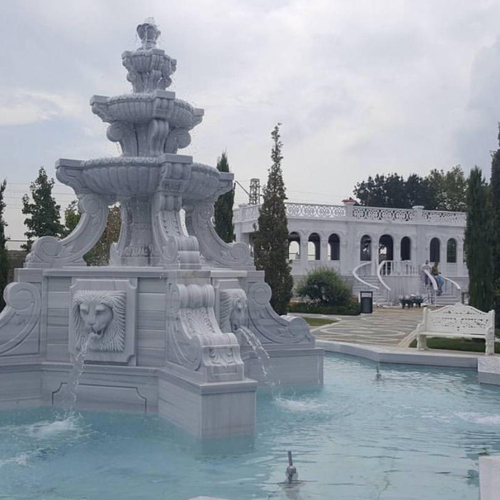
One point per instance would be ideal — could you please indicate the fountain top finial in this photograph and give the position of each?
(148, 32)
(149, 68)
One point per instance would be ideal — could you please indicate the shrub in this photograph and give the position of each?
(351, 309)
(324, 287)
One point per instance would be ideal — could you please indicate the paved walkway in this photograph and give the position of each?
(383, 327)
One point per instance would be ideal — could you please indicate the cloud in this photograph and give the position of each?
(361, 87)
(24, 106)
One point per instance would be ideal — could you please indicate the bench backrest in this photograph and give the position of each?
(459, 319)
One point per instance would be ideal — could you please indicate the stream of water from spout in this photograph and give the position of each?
(71, 389)
(262, 355)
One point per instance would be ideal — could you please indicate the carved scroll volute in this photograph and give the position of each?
(19, 319)
(124, 133)
(49, 251)
(175, 248)
(195, 341)
(212, 247)
(268, 325)
(178, 138)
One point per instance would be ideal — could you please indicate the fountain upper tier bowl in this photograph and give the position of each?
(126, 176)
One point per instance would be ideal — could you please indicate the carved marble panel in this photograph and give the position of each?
(19, 321)
(102, 314)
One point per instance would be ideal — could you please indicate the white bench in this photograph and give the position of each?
(457, 321)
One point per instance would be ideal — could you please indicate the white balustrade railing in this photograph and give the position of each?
(356, 272)
(398, 268)
(384, 214)
(247, 213)
(310, 211)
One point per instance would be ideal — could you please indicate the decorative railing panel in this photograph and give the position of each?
(445, 218)
(369, 214)
(383, 214)
(309, 211)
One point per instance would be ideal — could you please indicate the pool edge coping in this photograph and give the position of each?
(488, 367)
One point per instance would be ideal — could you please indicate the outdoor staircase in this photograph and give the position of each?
(379, 296)
(449, 296)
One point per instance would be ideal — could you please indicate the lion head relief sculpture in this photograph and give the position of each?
(233, 310)
(99, 314)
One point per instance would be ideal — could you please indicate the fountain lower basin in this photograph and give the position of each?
(413, 433)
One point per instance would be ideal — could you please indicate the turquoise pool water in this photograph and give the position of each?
(415, 433)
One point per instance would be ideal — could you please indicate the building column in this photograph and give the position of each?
(375, 244)
(396, 248)
(323, 247)
(304, 259)
(460, 257)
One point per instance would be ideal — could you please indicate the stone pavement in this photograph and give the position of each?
(383, 327)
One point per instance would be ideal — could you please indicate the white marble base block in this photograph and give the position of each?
(208, 410)
(299, 366)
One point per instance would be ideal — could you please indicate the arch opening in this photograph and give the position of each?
(365, 250)
(405, 248)
(385, 248)
(451, 251)
(435, 250)
(313, 247)
(293, 246)
(334, 247)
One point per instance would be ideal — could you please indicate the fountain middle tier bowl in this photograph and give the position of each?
(126, 176)
(142, 108)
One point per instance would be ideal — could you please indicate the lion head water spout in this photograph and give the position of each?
(99, 318)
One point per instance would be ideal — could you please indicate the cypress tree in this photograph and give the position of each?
(4, 255)
(495, 205)
(43, 213)
(478, 243)
(223, 214)
(271, 241)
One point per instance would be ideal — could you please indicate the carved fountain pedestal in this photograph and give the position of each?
(169, 318)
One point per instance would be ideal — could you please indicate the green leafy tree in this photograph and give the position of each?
(495, 206)
(224, 206)
(271, 241)
(71, 217)
(4, 255)
(44, 218)
(324, 287)
(450, 189)
(386, 191)
(438, 191)
(419, 191)
(478, 243)
(99, 255)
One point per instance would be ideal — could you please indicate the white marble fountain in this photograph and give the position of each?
(172, 324)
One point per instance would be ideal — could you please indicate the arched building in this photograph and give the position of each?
(379, 249)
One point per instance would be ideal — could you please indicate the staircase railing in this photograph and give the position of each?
(434, 286)
(395, 268)
(386, 264)
(453, 284)
(355, 273)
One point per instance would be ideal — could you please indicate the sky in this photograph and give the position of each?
(360, 87)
